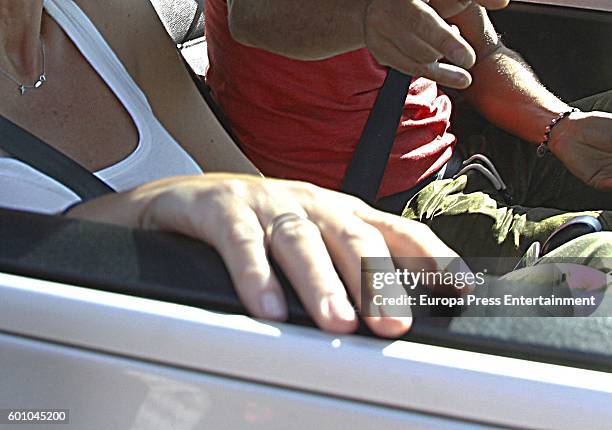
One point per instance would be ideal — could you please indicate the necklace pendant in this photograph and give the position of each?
(42, 78)
(40, 82)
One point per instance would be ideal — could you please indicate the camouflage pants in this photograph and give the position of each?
(476, 221)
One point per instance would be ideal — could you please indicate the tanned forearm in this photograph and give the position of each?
(508, 93)
(504, 88)
(304, 30)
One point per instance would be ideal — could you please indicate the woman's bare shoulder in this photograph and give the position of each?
(131, 27)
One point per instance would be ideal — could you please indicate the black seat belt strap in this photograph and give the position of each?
(30, 150)
(199, 13)
(365, 173)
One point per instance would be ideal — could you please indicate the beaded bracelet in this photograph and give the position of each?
(543, 147)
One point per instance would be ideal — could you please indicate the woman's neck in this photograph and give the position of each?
(20, 42)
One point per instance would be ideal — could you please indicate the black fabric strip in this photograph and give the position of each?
(31, 150)
(365, 173)
(194, 22)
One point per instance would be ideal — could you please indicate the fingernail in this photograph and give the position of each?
(463, 81)
(272, 306)
(342, 308)
(396, 312)
(467, 281)
(458, 56)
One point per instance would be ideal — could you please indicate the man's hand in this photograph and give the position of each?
(408, 35)
(583, 141)
(412, 36)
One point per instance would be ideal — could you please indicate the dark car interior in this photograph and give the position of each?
(568, 48)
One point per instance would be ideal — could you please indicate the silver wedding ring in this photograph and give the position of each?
(279, 220)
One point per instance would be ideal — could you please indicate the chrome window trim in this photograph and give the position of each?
(603, 5)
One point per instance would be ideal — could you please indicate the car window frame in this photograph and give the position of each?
(601, 5)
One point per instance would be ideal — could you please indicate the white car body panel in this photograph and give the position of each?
(108, 392)
(396, 376)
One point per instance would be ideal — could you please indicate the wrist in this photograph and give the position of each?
(561, 132)
(554, 131)
(125, 208)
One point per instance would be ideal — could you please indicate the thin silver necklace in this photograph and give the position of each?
(23, 88)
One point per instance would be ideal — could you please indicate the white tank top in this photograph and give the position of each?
(156, 156)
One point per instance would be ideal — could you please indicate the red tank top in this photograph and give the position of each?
(303, 119)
